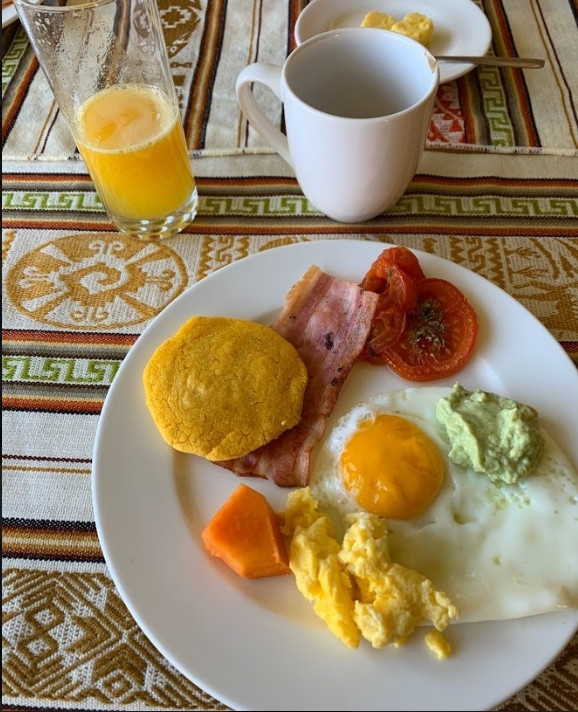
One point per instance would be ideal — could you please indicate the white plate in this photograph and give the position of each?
(257, 645)
(9, 13)
(460, 27)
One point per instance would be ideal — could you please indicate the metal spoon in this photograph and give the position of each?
(496, 61)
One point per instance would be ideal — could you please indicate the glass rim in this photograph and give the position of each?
(69, 5)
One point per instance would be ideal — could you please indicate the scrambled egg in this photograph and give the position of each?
(438, 644)
(355, 587)
(313, 558)
(415, 25)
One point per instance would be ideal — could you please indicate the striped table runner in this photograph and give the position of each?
(496, 192)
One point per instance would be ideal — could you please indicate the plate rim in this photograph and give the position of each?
(9, 13)
(118, 577)
(448, 71)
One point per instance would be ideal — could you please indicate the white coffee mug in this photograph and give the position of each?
(357, 103)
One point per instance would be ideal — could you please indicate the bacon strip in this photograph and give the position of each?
(327, 319)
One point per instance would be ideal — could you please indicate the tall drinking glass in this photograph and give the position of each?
(107, 64)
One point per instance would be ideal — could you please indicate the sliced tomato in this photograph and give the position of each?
(386, 328)
(397, 296)
(406, 260)
(376, 279)
(439, 336)
(400, 289)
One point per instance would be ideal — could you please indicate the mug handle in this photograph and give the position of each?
(270, 75)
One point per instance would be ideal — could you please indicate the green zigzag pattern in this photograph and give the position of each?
(12, 58)
(495, 108)
(297, 205)
(51, 201)
(36, 369)
(487, 205)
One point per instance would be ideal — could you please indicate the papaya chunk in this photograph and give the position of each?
(246, 535)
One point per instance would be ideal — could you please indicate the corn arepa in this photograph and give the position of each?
(222, 387)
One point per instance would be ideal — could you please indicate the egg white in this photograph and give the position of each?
(499, 552)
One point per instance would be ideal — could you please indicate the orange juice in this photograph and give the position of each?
(134, 146)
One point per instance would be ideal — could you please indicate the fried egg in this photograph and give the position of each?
(498, 551)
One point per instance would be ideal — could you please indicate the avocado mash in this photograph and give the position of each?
(491, 434)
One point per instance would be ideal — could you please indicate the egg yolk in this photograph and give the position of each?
(391, 467)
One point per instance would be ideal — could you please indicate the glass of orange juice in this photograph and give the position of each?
(107, 64)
